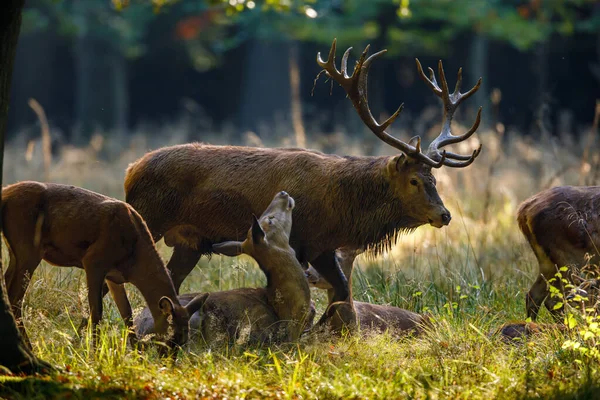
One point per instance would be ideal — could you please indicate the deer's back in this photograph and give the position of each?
(562, 223)
(67, 221)
(214, 190)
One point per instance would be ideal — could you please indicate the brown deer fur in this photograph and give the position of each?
(561, 224)
(370, 317)
(280, 311)
(71, 226)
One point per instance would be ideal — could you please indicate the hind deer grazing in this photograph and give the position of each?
(70, 226)
(369, 316)
(279, 312)
(562, 227)
(194, 195)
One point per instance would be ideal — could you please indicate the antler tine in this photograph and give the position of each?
(430, 82)
(344, 66)
(445, 91)
(457, 164)
(458, 82)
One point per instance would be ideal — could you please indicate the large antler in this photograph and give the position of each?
(355, 86)
(451, 102)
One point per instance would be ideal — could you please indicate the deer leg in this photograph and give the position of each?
(180, 265)
(119, 295)
(535, 297)
(84, 320)
(95, 279)
(17, 278)
(328, 267)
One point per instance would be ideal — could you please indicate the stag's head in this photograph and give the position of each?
(268, 240)
(410, 173)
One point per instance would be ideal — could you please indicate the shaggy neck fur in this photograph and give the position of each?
(369, 213)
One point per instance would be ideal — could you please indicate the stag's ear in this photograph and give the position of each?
(231, 248)
(166, 305)
(258, 235)
(396, 163)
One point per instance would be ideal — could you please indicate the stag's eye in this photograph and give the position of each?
(414, 182)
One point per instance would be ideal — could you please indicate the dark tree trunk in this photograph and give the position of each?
(266, 88)
(14, 354)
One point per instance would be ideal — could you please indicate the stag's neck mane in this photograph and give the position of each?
(370, 216)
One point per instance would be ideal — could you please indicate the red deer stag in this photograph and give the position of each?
(194, 195)
(71, 226)
(279, 312)
(370, 317)
(561, 225)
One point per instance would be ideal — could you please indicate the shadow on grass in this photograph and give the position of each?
(32, 388)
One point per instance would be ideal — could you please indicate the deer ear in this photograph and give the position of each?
(396, 163)
(166, 305)
(231, 248)
(196, 303)
(258, 235)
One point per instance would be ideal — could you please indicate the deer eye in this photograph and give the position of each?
(414, 182)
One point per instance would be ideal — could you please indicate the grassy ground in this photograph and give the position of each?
(471, 276)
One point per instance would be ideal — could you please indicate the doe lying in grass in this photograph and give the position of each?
(71, 226)
(374, 317)
(279, 312)
(562, 226)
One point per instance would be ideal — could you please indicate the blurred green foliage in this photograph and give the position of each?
(212, 26)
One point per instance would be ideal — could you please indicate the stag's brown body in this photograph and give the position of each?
(194, 195)
(70, 226)
(279, 312)
(561, 224)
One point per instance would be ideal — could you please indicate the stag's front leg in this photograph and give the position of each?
(328, 267)
(180, 265)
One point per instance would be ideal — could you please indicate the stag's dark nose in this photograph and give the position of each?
(446, 217)
(283, 193)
